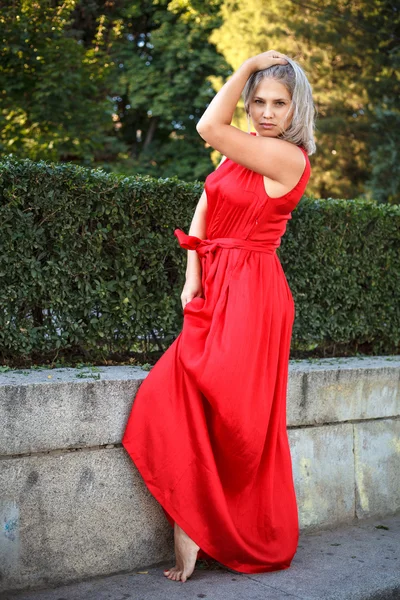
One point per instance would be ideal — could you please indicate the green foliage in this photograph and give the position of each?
(177, 158)
(117, 85)
(351, 54)
(121, 85)
(54, 103)
(166, 88)
(88, 260)
(384, 179)
(342, 263)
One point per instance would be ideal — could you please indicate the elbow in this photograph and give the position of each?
(212, 133)
(202, 128)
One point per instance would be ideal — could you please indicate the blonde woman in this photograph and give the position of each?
(207, 430)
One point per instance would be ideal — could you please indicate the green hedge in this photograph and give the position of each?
(88, 260)
(342, 262)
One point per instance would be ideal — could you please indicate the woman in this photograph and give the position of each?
(207, 430)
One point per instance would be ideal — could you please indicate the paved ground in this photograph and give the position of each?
(355, 562)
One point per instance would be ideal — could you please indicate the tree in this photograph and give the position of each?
(118, 84)
(54, 103)
(362, 40)
(350, 52)
(166, 88)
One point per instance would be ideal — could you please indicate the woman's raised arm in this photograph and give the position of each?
(274, 158)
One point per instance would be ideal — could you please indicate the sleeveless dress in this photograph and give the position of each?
(207, 429)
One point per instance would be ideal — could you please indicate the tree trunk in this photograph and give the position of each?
(150, 133)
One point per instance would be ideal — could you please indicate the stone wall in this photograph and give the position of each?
(72, 504)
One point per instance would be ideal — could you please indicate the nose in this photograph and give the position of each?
(268, 111)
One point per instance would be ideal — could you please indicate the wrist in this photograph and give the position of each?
(193, 276)
(249, 66)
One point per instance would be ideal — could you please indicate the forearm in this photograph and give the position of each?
(222, 106)
(198, 229)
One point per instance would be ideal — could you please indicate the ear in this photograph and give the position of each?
(248, 123)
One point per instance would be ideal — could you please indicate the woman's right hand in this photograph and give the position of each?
(193, 288)
(266, 59)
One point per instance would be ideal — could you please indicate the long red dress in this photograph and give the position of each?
(207, 429)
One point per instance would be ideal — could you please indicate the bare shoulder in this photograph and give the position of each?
(275, 187)
(297, 165)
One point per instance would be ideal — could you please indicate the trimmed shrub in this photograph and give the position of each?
(88, 260)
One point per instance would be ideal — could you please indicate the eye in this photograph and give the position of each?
(258, 101)
(281, 103)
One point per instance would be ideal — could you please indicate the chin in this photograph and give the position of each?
(265, 133)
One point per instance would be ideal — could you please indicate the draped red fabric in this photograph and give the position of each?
(207, 430)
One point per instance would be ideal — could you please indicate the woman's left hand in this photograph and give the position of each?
(267, 59)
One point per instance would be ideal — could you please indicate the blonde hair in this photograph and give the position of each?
(292, 76)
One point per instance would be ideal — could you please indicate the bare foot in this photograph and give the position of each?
(185, 555)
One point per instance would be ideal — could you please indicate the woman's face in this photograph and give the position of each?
(270, 104)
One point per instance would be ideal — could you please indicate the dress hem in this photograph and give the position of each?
(205, 546)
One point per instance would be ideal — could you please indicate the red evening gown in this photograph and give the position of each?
(207, 429)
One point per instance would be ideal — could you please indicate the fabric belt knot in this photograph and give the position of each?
(191, 242)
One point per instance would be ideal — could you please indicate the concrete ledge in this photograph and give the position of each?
(343, 389)
(72, 504)
(76, 513)
(58, 408)
(323, 472)
(42, 411)
(377, 467)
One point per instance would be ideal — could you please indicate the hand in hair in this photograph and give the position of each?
(267, 59)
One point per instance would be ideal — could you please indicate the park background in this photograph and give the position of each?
(121, 84)
(100, 161)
